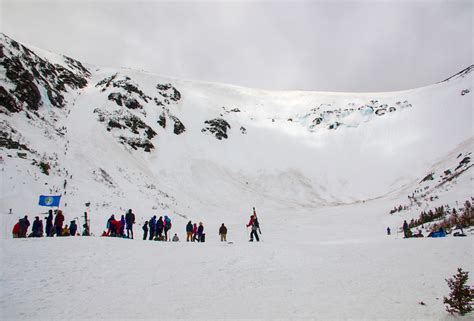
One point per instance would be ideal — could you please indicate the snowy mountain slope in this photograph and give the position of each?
(130, 135)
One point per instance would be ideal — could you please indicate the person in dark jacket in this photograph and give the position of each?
(145, 230)
(73, 228)
(122, 226)
(200, 232)
(189, 231)
(24, 224)
(159, 227)
(129, 221)
(49, 223)
(152, 225)
(255, 227)
(58, 223)
(111, 225)
(37, 229)
(166, 226)
(223, 233)
(405, 229)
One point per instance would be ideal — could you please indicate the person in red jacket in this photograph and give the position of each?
(16, 230)
(255, 227)
(195, 230)
(58, 222)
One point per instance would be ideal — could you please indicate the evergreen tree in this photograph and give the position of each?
(461, 297)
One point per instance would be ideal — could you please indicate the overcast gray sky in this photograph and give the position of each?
(309, 45)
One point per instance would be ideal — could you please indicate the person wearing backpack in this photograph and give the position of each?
(189, 231)
(166, 226)
(73, 228)
(253, 223)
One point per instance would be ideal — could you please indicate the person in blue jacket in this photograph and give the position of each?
(152, 225)
(73, 228)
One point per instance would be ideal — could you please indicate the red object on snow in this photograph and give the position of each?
(16, 228)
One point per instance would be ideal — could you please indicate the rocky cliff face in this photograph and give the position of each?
(32, 81)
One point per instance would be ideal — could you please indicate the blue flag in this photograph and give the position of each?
(49, 200)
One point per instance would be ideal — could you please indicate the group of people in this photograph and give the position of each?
(54, 226)
(154, 229)
(158, 228)
(117, 228)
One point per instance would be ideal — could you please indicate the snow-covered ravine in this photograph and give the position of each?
(323, 170)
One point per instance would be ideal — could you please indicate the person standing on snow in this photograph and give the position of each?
(129, 221)
(24, 224)
(73, 228)
(223, 233)
(166, 226)
(49, 223)
(200, 232)
(159, 228)
(145, 230)
(405, 228)
(189, 231)
(152, 224)
(58, 223)
(122, 226)
(253, 223)
(195, 230)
